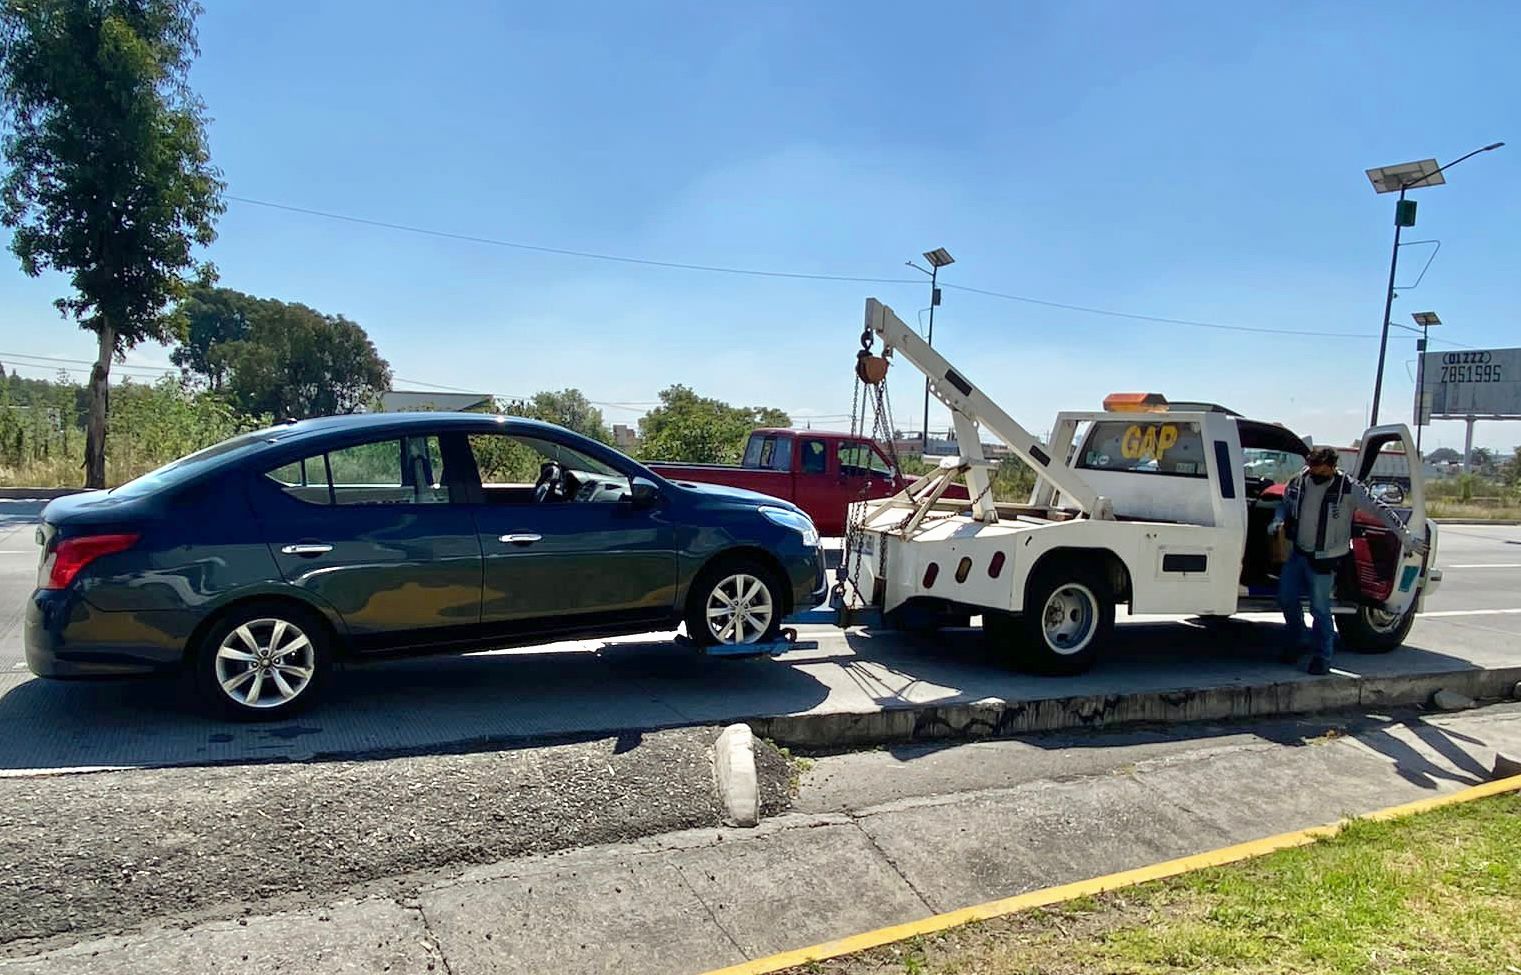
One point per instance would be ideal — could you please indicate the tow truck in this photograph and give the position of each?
(1144, 503)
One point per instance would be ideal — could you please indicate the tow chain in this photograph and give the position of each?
(873, 374)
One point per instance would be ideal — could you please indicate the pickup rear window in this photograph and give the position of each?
(768, 453)
(1151, 446)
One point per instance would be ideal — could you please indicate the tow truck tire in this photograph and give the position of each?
(1069, 615)
(1371, 630)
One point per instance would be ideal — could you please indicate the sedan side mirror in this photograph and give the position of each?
(643, 492)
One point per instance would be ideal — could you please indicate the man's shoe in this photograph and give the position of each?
(1320, 666)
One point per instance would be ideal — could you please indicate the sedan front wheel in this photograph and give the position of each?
(736, 603)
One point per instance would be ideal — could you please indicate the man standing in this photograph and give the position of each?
(1316, 510)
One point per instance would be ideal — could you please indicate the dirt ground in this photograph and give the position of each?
(106, 852)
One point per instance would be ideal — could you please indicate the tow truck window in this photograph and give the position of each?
(1145, 447)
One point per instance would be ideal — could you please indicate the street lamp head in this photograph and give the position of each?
(939, 257)
(1406, 176)
(1426, 319)
(1491, 146)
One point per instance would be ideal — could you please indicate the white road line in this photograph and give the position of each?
(1470, 612)
(1485, 565)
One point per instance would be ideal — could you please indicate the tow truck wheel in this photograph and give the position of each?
(1069, 613)
(1372, 630)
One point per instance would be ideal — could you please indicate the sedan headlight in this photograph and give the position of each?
(795, 520)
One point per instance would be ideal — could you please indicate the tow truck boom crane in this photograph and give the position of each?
(970, 408)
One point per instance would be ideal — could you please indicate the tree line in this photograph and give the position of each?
(43, 423)
(110, 183)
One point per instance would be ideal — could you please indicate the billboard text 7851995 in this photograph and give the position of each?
(1481, 383)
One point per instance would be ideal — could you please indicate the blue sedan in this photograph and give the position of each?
(260, 562)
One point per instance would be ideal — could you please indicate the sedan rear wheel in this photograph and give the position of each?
(265, 663)
(262, 662)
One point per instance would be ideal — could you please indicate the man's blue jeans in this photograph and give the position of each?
(1298, 579)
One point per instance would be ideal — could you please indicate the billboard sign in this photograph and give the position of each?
(1481, 383)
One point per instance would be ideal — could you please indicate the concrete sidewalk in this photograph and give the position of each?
(688, 902)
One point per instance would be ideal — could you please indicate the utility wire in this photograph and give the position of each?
(757, 272)
(116, 367)
(564, 252)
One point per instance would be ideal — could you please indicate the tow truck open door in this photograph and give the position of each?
(1377, 441)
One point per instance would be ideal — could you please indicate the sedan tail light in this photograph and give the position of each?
(70, 555)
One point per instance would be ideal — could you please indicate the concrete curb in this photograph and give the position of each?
(994, 717)
(1502, 522)
(734, 770)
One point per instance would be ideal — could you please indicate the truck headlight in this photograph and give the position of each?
(795, 520)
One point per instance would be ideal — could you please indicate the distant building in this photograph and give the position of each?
(408, 401)
(625, 437)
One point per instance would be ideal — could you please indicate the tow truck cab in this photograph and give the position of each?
(1202, 466)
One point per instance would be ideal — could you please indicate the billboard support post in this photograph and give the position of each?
(1468, 444)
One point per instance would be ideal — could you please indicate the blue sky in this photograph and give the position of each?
(1198, 161)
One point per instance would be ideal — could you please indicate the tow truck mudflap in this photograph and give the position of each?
(846, 615)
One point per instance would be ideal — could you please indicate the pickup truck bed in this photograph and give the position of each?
(820, 472)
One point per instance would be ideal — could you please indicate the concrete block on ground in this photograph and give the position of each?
(352, 939)
(1450, 700)
(734, 772)
(575, 915)
(798, 887)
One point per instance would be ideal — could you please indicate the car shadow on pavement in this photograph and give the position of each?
(492, 700)
(501, 699)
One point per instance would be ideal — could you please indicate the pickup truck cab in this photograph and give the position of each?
(820, 472)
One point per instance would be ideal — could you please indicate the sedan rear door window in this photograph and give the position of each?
(403, 470)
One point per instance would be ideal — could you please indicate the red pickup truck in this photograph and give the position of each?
(819, 472)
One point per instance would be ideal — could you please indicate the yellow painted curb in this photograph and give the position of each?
(1082, 888)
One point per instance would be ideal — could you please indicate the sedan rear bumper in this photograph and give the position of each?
(64, 637)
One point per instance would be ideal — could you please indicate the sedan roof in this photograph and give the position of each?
(382, 422)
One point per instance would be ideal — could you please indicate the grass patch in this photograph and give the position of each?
(1468, 509)
(797, 767)
(1438, 892)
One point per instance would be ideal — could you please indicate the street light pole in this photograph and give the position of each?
(934, 270)
(1383, 339)
(1425, 319)
(937, 258)
(1386, 180)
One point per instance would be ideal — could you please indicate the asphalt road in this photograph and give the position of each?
(590, 688)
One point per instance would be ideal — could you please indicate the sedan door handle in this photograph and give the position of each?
(307, 549)
(521, 538)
